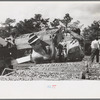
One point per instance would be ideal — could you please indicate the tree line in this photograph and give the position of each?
(37, 23)
(34, 24)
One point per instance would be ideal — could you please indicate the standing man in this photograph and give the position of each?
(5, 58)
(95, 50)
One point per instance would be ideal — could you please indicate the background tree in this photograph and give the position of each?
(55, 23)
(31, 25)
(8, 24)
(92, 31)
(6, 27)
(66, 20)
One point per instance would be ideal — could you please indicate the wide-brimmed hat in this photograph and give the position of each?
(32, 38)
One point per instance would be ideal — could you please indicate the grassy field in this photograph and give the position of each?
(53, 71)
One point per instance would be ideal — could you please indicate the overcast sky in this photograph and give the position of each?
(85, 12)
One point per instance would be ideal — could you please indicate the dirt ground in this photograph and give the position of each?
(54, 71)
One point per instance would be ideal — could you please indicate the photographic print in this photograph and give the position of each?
(49, 41)
(49, 49)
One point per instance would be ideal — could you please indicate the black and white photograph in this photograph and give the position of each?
(49, 49)
(51, 41)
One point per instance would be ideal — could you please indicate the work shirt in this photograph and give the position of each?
(95, 44)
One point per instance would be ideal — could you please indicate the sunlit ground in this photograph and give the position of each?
(54, 71)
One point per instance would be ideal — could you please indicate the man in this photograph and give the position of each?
(5, 58)
(95, 50)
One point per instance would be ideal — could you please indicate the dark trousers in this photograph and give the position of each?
(95, 52)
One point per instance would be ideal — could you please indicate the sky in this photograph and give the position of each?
(85, 12)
